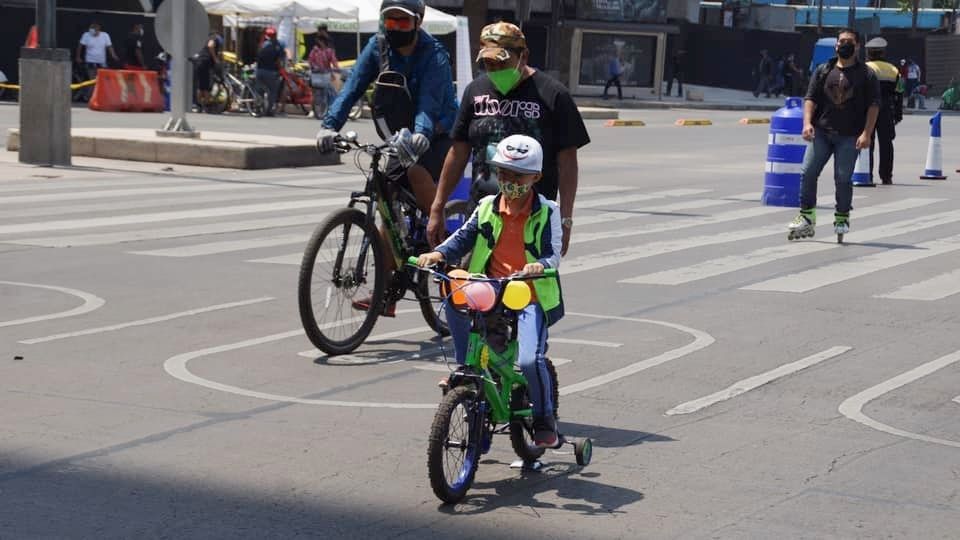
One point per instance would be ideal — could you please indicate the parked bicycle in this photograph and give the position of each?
(345, 261)
(488, 395)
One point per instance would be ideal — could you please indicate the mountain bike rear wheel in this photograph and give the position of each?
(342, 282)
(453, 451)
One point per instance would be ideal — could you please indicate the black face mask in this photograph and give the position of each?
(845, 50)
(399, 39)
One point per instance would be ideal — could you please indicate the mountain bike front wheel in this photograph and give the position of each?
(453, 451)
(342, 282)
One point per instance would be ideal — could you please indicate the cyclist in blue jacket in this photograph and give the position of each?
(413, 89)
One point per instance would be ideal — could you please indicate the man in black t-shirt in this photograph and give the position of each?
(512, 98)
(839, 116)
(133, 48)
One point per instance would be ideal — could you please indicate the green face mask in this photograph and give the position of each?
(505, 79)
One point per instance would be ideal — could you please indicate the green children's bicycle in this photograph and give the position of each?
(488, 394)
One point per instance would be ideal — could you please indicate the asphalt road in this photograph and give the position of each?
(156, 382)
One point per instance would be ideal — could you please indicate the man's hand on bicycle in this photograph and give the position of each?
(430, 259)
(326, 138)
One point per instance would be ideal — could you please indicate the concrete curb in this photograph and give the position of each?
(213, 149)
(669, 105)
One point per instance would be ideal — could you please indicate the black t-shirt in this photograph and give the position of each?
(843, 96)
(131, 45)
(538, 106)
(270, 55)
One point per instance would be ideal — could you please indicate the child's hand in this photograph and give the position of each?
(429, 259)
(532, 268)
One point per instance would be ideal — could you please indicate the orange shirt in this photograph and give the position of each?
(510, 254)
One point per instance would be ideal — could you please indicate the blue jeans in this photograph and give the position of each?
(844, 151)
(269, 80)
(531, 353)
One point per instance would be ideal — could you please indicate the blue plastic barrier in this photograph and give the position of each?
(785, 151)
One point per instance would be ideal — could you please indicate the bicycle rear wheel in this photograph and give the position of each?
(521, 430)
(343, 272)
(453, 450)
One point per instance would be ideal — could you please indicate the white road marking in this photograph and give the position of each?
(831, 274)
(427, 365)
(289, 258)
(852, 407)
(157, 217)
(733, 263)
(126, 192)
(316, 353)
(143, 322)
(612, 257)
(744, 386)
(607, 344)
(701, 340)
(935, 288)
(51, 185)
(90, 302)
(724, 217)
(227, 246)
(150, 202)
(633, 213)
(95, 239)
(176, 366)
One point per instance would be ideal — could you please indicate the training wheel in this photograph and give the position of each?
(583, 450)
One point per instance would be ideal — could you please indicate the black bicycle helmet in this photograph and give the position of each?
(416, 8)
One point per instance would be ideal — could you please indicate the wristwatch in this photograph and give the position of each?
(566, 222)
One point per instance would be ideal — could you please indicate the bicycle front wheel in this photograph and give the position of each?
(342, 282)
(453, 451)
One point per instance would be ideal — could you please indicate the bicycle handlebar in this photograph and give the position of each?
(547, 273)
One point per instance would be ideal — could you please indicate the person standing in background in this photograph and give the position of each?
(891, 108)
(614, 71)
(92, 54)
(676, 72)
(133, 48)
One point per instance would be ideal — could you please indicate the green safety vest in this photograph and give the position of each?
(490, 225)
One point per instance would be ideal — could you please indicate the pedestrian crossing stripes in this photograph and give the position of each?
(268, 220)
(935, 288)
(837, 272)
(732, 263)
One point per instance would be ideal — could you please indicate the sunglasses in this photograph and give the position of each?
(404, 24)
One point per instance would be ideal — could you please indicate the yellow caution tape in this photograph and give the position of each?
(77, 86)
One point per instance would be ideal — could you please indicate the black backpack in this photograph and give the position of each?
(393, 107)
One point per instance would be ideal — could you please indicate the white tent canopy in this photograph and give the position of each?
(326, 9)
(434, 21)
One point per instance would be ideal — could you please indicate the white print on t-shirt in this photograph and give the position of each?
(488, 106)
(96, 47)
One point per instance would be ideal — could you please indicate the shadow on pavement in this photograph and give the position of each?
(579, 492)
(608, 437)
(95, 500)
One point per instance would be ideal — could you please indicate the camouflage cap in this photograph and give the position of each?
(497, 39)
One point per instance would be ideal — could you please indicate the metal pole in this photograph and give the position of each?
(820, 17)
(852, 14)
(180, 89)
(47, 23)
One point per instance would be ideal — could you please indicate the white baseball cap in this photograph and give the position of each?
(519, 153)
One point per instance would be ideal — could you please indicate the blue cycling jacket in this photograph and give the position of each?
(429, 80)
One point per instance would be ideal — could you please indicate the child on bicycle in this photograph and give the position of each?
(516, 231)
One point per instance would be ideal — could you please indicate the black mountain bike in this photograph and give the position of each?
(344, 286)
